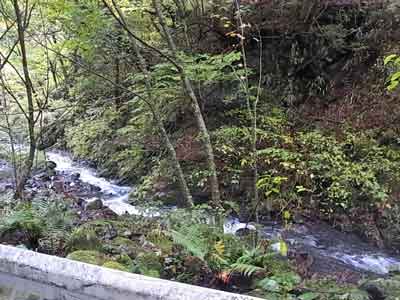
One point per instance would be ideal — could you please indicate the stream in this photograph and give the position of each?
(329, 246)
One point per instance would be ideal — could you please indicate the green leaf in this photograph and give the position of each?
(283, 248)
(390, 58)
(395, 76)
(269, 285)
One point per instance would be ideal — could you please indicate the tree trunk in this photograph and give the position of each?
(150, 102)
(187, 85)
(29, 94)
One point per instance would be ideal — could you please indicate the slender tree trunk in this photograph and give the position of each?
(187, 85)
(29, 94)
(171, 150)
(252, 109)
(9, 133)
(117, 90)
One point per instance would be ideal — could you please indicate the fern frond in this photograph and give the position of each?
(246, 269)
(193, 244)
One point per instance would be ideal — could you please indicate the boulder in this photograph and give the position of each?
(84, 239)
(75, 176)
(124, 246)
(148, 264)
(94, 204)
(51, 165)
(383, 288)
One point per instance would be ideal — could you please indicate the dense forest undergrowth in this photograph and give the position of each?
(265, 110)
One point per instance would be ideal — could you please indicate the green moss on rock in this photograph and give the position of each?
(87, 256)
(116, 266)
(130, 226)
(125, 260)
(121, 245)
(148, 264)
(84, 238)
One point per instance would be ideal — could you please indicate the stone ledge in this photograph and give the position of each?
(93, 282)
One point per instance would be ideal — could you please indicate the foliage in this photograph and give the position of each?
(42, 218)
(83, 239)
(148, 264)
(341, 174)
(393, 61)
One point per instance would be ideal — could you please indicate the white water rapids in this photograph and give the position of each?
(118, 195)
(320, 241)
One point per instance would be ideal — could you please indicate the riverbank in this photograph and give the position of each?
(176, 245)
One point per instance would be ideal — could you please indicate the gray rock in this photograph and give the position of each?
(94, 204)
(383, 288)
(51, 165)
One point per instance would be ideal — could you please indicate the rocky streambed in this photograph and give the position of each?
(332, 250)
(318, 249)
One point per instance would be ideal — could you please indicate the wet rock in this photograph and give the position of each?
(383, 288)
(127, 234)
(246, 231)
(75, 176)
(58, 186)
(248, 235)
(44, 176)
(51, 165)
(94, 188)
(94, 204)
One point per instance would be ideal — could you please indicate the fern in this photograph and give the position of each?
(203, 242)
(192, 243)
(246, 269)
(40, 219)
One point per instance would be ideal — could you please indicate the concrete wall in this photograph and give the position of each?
(27, 275)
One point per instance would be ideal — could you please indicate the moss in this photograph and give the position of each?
(148, 264)
(116, 266)
(86, 256)
(84, 238)
(128, 226)
(121, 245)
(162, 240)
(125, 260)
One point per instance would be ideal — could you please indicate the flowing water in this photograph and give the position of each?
(318, 239)
(116, 196)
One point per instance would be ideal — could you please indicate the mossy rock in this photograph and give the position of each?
(121, 245)
(84, 238)
(329, 289)
(383, 288)
(132, 226)
(87, 256)
(148, 264)
(161, 240)
(116, 266)
(125, 260)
